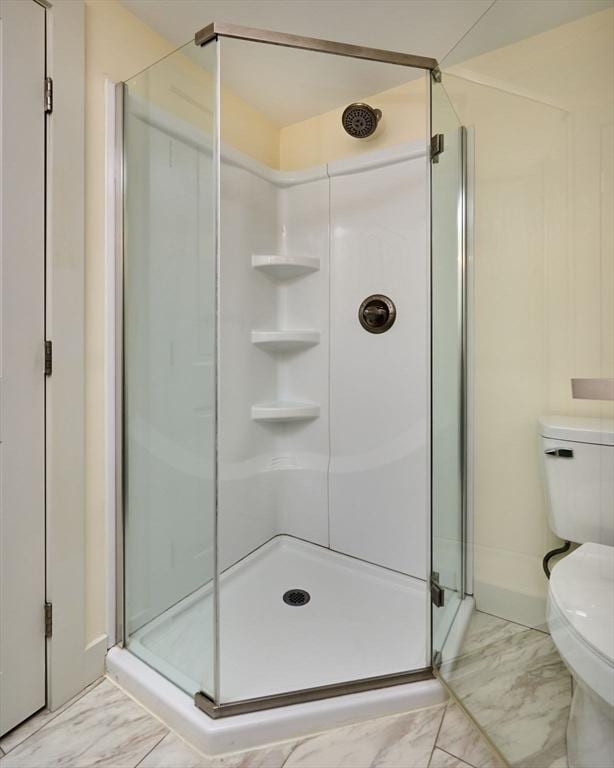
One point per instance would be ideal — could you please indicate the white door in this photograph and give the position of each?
(22, 383)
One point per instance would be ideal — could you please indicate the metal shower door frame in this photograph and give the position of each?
(465, 436)
(206, 35)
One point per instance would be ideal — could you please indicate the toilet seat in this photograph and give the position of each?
(581, 615)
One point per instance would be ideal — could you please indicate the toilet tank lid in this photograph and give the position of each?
(578, 429)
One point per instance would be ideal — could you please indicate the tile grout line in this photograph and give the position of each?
(295, 747)
(443, 714)
(469, 724)
(53, 715)
(157, 744)
(456, 757)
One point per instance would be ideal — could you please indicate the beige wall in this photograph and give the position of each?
(117, 45)
(543, 113)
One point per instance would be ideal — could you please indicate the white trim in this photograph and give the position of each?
(470, 360)
(72, 661)
(110, 164)
(379, 158)
(519, 607)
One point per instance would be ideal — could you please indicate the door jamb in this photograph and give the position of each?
(73, 659)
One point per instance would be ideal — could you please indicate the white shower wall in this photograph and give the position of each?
(246, 487)
(354, 479)
(379, 382)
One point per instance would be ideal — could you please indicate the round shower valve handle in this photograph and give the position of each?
(377, 313)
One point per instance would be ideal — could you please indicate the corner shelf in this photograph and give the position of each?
(281, 410)
(285, 341)
(285, 267)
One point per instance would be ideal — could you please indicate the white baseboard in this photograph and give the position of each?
(521, 608)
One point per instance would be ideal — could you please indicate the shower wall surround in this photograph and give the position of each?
(353, 477)
(379, 384)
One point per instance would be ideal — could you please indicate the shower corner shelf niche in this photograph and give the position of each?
(285, 341)
(285, 267)
(285, 410)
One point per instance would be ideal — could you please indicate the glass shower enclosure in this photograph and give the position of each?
(291, 369)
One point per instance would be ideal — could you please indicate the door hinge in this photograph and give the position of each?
(437, 593)
(48, 358)
(436, 147)
(48, 95)
(48, 619)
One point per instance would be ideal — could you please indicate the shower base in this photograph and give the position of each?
(360, 621)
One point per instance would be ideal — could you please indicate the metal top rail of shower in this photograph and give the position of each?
(217, 29)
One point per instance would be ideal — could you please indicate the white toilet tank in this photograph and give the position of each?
(578, 457)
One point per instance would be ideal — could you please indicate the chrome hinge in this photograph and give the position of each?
(48, 619)
(48, 95)
(48, 358)
(437, 593)
(436, 146)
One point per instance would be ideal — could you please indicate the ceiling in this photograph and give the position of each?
(301, 84)
(423, 27)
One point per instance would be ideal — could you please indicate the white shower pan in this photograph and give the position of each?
(361, 621)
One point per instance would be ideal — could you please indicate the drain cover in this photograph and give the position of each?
(296, 597)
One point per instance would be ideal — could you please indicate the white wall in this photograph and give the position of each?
(356, 477)
(379, 382)
(304, 303)
(247, 504)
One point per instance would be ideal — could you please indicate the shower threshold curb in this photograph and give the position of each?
(256, 729)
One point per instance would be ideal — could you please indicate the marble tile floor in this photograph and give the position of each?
(514, 684)
(104, 727)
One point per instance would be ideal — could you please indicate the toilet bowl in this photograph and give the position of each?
(581, 622)
(578, 456)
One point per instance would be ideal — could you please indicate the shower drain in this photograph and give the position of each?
(296, 597)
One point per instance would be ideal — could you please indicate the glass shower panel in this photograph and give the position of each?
(169, 366)
(447, 189)
(323, 437)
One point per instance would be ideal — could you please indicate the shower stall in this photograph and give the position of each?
(290, 369)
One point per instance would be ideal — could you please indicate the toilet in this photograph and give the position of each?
(578, 457)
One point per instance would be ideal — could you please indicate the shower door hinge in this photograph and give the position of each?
(48, 619)
(436, 75)
(48, 95)
(436, 147)
(437, 593)
(48, 358)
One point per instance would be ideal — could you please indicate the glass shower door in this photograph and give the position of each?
(447, 296)
(169, 298)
